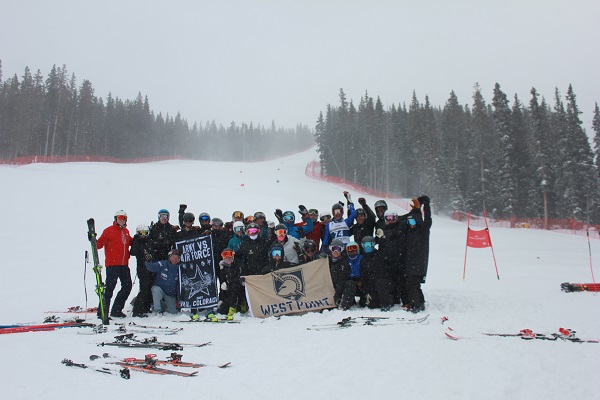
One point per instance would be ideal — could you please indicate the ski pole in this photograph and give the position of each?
(590, 251)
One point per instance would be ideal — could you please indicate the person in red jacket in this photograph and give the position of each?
(318, 228)
(116, 241)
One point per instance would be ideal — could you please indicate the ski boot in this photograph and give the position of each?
(230, 314)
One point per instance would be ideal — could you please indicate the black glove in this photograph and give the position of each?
(279, 215)
(148, 257)
(298, 248)
(300, 232)
(229, 225)
(302, 210)
(423, 199)
(182, 208)
(341, 203)
(362, 201)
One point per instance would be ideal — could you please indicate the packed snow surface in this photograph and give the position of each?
(43, 240)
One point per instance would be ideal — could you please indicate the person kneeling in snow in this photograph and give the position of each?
(166, 282)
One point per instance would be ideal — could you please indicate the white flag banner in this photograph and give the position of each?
(297, 289)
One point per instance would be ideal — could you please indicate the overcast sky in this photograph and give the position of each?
(259, 61)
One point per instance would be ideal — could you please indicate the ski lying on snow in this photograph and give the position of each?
(174, 360)
(123, 373)
(208, 321)
(133, 327)
(579, 287)
(370, 321)
(75, 310)
(43, 327)
(129, 340)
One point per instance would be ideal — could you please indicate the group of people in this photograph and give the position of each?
(376, 258)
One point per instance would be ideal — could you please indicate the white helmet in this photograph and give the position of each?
(142, 229)
(120, 213)
(238, 224)
(389, 213)
(325, 214)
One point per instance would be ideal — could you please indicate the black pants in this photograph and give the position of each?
(414, 293)
(113, 275)
(143, 300)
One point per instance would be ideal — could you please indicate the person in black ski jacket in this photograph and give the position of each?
(141, 249)
(364, 224)
(162, 235)
(188, 229)
(392, 249)
(276, 259)
(253, 252)
(231, 294)
(416, 236)
(220, 237)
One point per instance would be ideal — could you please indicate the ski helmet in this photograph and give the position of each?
(352, 246)
(313, 211)
(289, 217)
(142, 229)
(368, 244)
(204, 218)
(122, 214)
(164, 211)
(380, 203)
(217, 222)
(337, 243)
(276, 250)
(188, 216)
(326, 215)
(238, 225)
(237, 215)
(390, 215)
(337, 208)
(310, 245)
(360, 211)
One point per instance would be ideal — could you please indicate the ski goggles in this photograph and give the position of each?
(325, 218)
(204, 218)
(390, 218)
(368, 246)
(288, 217)
(351, 247)
(227, 253)
(143, 232)
(191, 220)
(163, 215)
(280, 232)
(238, 214)
(238, 229)
(411, 222)
(337, 211)
(276, 252)
(258, 215)
(313, 211)
(121, 218)
(336, 248)
(253, 231)
(218, 224)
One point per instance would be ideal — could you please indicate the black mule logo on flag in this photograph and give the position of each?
(289, 285)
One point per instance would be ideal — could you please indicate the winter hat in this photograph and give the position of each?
(415, 204)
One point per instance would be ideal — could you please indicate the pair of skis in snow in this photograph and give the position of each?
(129, 340)
(527, 334)
(369, 321)
(149, 364)
(23, 328)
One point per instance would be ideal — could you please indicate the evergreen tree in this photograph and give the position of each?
(506, 162)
